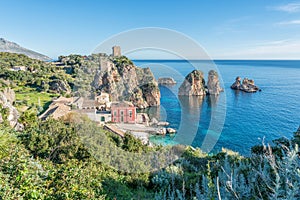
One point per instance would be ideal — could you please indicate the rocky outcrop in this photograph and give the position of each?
(166, 81)
(124, 81)
(171, 130)
(142, 118)
(163, 124)
(237, 84)
(161, 131)
(193, 85)
(213, 84)
(153, 122)
(9, 94)
(59, 86)
(247, 85)
(7, 111)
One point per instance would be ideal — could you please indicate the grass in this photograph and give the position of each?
(27, 97)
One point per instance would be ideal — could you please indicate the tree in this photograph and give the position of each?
(54, 140)
(28, 118)
(6, 139)
(132, 144)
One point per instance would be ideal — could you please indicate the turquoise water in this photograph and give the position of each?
(249, 119)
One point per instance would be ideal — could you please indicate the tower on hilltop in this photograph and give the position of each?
(116, 51)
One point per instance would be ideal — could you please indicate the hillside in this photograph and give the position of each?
(117, 76)
(7, 46)
(74, 158)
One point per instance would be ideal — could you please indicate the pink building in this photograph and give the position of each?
(123, 112)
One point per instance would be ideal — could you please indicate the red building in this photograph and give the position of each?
(123, 112)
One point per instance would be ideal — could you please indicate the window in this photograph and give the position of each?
(122, 116)
(102, 119)
(130, 113)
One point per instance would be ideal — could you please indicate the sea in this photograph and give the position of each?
(233, 120)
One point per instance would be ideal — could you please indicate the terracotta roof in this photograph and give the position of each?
(64, 100)
(122, 104)
(88, 103)
(56, 111)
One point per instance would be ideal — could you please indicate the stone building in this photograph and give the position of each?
(116, 51)
(105, 63)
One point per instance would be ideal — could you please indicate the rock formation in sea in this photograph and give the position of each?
(171, 130)
(7, 111)
(125, 81)
(213, 84)
(247, 85)
(193, 85)
(166, 81)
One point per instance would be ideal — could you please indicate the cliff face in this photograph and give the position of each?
(8, 112)
(125, 81)
(213, 84)
(193, 85)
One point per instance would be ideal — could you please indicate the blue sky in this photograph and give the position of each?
(228, 29)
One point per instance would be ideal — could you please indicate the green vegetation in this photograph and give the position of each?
(73, 158)
(51, 160)
(29, 97)
(37, 84)
(81, 68)
(122, 61)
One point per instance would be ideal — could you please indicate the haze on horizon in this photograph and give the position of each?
(225, 29)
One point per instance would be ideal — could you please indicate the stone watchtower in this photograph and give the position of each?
(116, 51)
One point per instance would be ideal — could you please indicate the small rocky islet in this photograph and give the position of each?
(247, 85)
(195, 84)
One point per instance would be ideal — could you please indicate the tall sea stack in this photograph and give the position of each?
(213, 84)
(193, 85)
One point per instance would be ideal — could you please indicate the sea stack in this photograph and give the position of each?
(247, 85)
(193, 85)
(213, 84)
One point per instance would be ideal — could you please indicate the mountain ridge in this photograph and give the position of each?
(12, 47)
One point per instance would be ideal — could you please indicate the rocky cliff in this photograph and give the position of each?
(124, 81)
(193, 85)
(247, 85)
(8, 112)
(11, 47)
(213, 84)
(60, 86)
